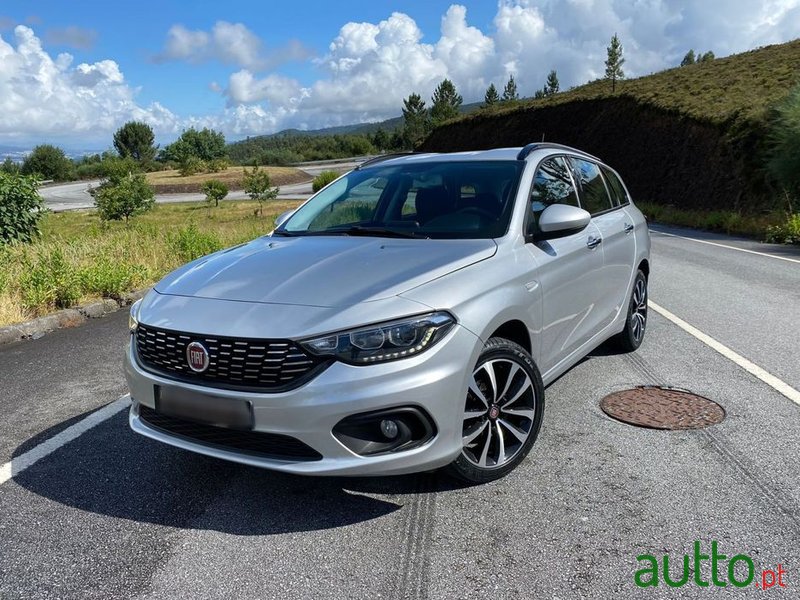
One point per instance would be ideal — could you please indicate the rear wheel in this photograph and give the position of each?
(502, 413)
(636, 324)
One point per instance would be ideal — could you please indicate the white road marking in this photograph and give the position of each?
(768, 378)
(23, 461)
(786, 258)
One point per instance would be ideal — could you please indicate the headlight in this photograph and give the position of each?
(133, 317)
(384, 341)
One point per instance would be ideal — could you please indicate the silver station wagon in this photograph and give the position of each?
(407, 317)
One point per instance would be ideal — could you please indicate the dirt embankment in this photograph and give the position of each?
(662, 157)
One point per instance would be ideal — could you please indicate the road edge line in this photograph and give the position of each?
(710, 243)
(778, 385)
(18, 464)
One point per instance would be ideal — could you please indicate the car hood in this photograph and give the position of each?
(325, 271)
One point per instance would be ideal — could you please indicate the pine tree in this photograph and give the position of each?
(614, 62)
(491, 97)
(552, 84)
(707, 57)
(539, 94)
(445, 102)
(510, 91)
(689, 59)
(417, 122)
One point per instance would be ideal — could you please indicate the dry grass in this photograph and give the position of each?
(79, 258)
(171, 181)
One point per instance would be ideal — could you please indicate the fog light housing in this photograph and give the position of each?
(389, 429)
(385, 431)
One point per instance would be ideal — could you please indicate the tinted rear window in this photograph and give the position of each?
(593, 194)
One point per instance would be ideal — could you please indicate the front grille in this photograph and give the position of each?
(268, 445)
(240, 363)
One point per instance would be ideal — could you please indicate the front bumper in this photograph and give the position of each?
(436, 381)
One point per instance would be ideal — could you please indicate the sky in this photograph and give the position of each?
(71, 73)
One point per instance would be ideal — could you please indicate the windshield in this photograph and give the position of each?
(469, 199)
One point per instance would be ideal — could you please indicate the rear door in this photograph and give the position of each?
(600, 195)
(568, 269)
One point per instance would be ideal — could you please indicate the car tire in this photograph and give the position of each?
(631, 337)
(502, 413)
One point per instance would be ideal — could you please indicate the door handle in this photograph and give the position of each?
(628, 227)
(593, 242)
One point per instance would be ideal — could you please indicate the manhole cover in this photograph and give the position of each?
(662, 408)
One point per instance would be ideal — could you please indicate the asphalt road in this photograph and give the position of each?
(111, 514)
(75, 195)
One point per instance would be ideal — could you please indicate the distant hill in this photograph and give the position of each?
(690, 136)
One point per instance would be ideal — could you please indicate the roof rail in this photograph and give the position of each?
(523, 154)
(383, 157)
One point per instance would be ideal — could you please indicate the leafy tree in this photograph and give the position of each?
(191, 165)
(707, 57)
(445, 102)
(381, 140)
(257, 185)
(9, 166)
(510, 90)
(417, 120)
(135, 139)
(21, 207)
(215, 191)
(124, 192)
(551, 87)
(783, 162)
(614, 62)
(205, 144)
(688, 59)
(48, 162)
(491, 97)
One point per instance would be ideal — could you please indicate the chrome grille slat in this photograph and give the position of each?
(258, 364)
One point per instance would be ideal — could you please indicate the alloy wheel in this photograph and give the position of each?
(499, 413)
(639, 309)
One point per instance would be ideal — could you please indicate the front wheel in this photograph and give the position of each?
(635, 325)
(502, 413)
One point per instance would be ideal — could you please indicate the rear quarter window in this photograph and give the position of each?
(615, 187)
(593, 194)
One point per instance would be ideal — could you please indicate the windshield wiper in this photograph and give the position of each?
(376, 231)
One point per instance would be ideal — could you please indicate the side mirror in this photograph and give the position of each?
(560, 220)
(282, 218)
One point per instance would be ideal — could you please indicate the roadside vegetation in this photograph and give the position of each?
(80, 257)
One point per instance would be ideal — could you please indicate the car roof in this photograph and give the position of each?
(520, 153)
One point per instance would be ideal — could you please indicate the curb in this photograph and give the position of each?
(68, 317)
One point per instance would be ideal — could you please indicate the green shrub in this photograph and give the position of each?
(258, 186)
(784, 144)
(107, 278)
(190, 243)
(215, 191)
(785, 233)
(49, 282)
(123, 200)
(323, 179)
(191, 165)
(21, 208)
(218, 165)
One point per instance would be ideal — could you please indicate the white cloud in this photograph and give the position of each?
(43, 97)
(229, 43)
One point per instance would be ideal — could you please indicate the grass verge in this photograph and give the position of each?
(79, 258)
(171, 182)
(771, 227)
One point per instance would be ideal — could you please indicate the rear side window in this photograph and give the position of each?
(594, 196)
(615, 187)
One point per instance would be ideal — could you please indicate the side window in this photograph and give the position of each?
(552, 184)
(615, 187)
(594, 196)
(355, 205)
